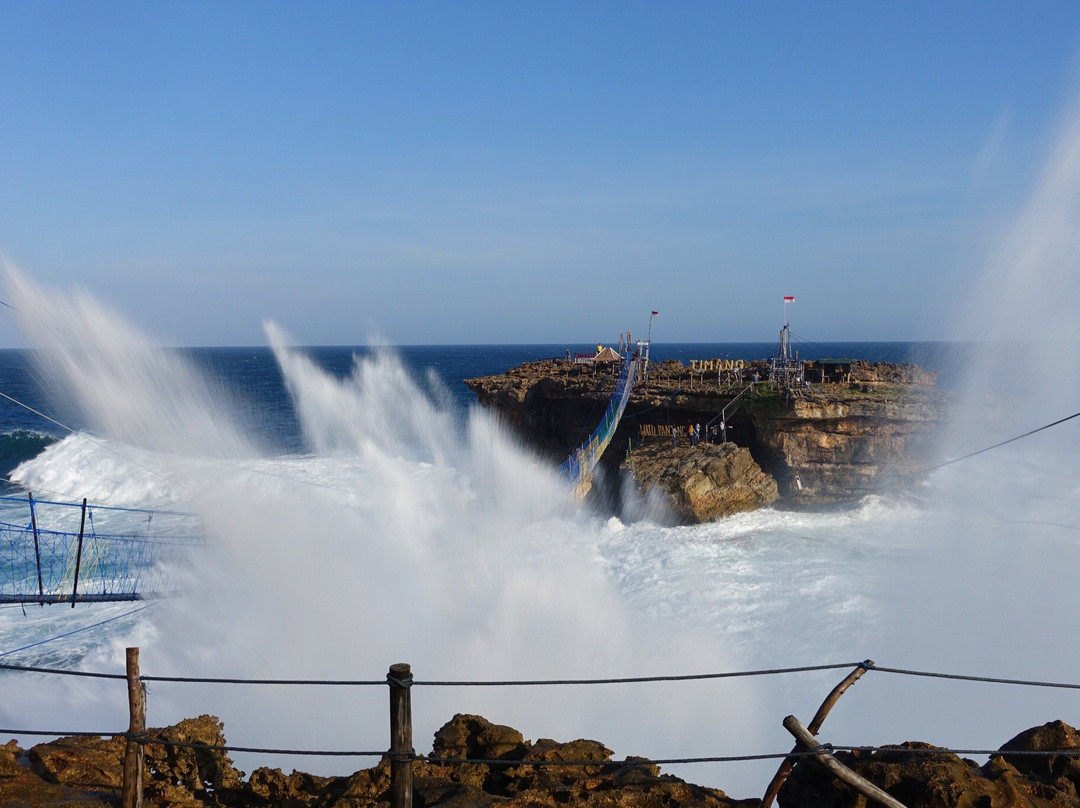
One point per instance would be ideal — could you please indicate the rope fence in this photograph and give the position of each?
(865, 664)
(146, 740)
(401, 755)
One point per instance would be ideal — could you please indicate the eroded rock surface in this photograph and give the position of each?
(476, 763)
(704, 482)
(944, 780)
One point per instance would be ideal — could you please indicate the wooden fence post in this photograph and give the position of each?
(135, 752)
(815, 725)
(838, 769)
(401, 752)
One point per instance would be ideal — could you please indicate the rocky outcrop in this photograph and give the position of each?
(180, 775)
(944, 780)
(477, 764)
(854, 428)
(84, 772)
(704, 482)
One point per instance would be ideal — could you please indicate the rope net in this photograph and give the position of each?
(68, 552)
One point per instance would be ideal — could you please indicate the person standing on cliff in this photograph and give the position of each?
(674, 437)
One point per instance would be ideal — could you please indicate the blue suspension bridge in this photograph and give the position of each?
(581, 463)
(67, 552)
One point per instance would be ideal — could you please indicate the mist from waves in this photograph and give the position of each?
(401, 536)
(395, 538)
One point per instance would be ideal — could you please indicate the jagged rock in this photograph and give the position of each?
(364, 789)
(944, 780)
(9, 756)
(704, 482)
(1047, 738)
(21, 786)
(474, 737)
(89, 763)
(296, 790)
(526, 777)
(635, 771)
(182, 774)
(27, 789)
(207, 779)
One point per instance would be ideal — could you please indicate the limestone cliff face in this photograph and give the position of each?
(865, 429)
(834, 446)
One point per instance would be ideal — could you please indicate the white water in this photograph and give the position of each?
(400, 538)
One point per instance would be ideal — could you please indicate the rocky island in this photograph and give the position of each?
(848, 428)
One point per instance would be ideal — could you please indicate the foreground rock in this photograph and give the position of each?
(943, 780)
(703, 483)
(85, 772)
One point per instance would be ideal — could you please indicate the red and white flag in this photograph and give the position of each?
(656, 314)
(789, 299)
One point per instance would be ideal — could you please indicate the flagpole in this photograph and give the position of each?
(648, 343)
(785, 332)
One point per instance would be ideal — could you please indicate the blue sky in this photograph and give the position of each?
(491, 172)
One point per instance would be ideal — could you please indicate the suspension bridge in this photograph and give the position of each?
(64, 552)
(579, 466)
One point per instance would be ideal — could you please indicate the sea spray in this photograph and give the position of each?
(990, 571)
(395, 538)
(120, 383)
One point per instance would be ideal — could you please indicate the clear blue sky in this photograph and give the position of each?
(489, 172)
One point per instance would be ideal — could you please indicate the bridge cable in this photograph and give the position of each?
(997, 445)
(69, 634)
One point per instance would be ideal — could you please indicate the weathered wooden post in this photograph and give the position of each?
(815, 724)
(134, 754)
(401, 752)
(838, 769)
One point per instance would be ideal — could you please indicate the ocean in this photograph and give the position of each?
(359, 510)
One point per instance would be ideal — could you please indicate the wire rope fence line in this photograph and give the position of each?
(984, 679)
(869, 665)
(148, 740)
(401, 755)
(452, 683)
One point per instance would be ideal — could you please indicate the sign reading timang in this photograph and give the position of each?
(717, 364)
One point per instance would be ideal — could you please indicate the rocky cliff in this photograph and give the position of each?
(86, 772)
(853, 428)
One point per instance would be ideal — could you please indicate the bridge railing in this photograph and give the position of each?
(67, 552)
(578, 467)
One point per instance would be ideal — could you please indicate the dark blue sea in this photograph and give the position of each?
(31, 418)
